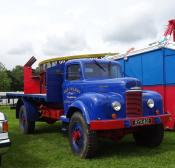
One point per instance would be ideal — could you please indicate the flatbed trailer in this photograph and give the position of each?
(28, 96)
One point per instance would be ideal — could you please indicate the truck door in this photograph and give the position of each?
(72, 84)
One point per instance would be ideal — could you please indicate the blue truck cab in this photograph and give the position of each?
(93, 99)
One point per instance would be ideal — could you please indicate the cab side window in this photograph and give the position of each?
(73, 72)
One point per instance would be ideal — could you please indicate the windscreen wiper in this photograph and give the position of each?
(100, 66)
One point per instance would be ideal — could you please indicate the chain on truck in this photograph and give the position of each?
(92, 99)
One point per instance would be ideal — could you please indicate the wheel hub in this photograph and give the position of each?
(76, 135)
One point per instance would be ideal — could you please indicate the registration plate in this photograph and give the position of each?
(142, 122)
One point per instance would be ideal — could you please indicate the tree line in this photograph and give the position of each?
(11, 80)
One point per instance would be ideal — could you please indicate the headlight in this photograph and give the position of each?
(150, 103)
(116, 106)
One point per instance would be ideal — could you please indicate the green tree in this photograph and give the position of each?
(16, 76)
(4, 79)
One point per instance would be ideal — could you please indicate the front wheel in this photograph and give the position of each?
(150, 136)
(26, 126)
(83, 141)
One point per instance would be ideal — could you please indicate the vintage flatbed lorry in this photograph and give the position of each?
(91, 98)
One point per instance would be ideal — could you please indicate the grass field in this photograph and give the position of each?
(49, 148)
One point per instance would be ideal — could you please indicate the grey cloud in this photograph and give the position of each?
(132, 30)
(103, 25)
(24, 48)
(64, 45)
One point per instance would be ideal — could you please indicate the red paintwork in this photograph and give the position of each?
(43, 82)
(76, 135)
(31, 83)
(119, 124)
(170, 29)
(168, 95)
(134, 104)
(170, 104)
(51, 113)
(106, 124)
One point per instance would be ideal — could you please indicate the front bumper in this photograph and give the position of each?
(127, 122)
(4, 146)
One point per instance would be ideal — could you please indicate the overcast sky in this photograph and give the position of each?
(50, 28)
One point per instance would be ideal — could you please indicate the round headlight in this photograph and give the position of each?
(116, 106)
(150, 103)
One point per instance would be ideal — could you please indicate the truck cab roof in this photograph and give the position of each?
(60, 60)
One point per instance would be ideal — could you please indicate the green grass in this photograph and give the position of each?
(49, 148)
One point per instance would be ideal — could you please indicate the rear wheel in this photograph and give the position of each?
(83, 141)
(26, 126)
(150, 136)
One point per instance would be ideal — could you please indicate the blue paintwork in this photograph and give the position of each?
(158, 103)
(137, 71)
(93, 98)
(54, 80)
(155, 67)
(152, 68)
(169, 62)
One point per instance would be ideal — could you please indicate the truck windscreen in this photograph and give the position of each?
(97, 70)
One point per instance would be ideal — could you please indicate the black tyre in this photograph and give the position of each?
(26, 126)
(83, 141)
(150, 136)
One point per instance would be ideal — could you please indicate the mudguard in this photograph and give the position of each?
(96, 106)
(83, 109)
(158, 105)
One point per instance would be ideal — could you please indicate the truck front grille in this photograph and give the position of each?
(134, 103)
